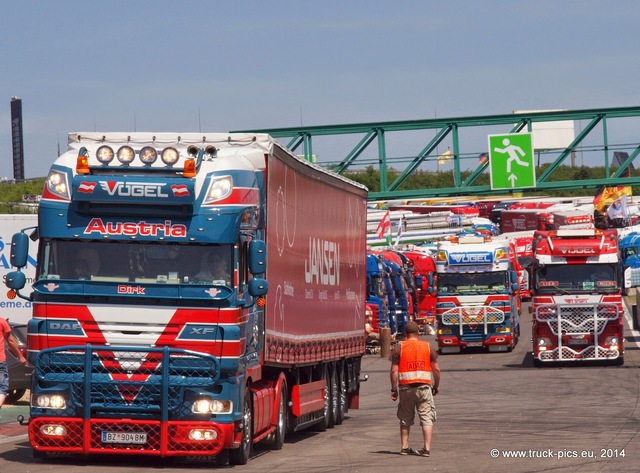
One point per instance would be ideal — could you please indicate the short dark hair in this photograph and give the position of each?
(412, 327)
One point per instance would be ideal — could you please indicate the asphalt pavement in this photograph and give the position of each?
(496, 412)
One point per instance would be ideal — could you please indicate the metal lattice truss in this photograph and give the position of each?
(473, 315)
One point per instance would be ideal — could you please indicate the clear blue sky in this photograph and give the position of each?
(224, 65)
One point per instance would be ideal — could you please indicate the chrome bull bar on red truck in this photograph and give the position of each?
(577, 332)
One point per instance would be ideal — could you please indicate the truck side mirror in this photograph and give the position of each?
(15, 280)
(19, 250)
(258, 287)
(257, 257)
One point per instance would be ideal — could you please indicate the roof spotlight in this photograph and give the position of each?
(105, 154)
(170, 156)
(148, 155)
(126, 154)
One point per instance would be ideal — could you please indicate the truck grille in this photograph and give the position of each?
(468, 318)
(125, 382)
(577, 319)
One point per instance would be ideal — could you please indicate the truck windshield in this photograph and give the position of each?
(378, 288)
(567, 278)
(453, 283)
(142, 262)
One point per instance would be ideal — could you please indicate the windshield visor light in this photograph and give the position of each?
(220, 188)
(126, 154)
(53, 430)
(148, 155)
(49, 401)
(57, 184)
(105, 154)
(441, 256)
(170, 156)
(211, 406)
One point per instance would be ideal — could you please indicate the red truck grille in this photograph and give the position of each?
(170, 439)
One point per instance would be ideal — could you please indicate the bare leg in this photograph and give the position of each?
(404, 435)
(427, 432)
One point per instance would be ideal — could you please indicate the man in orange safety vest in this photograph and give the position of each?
(415, 379)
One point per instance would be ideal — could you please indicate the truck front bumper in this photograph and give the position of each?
(128, 436)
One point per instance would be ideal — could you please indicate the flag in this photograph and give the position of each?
(618, 209)
(608, 195)
(445, 157)
(384, 227)
(401, 223)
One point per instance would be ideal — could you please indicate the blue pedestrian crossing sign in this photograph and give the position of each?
(511, 161)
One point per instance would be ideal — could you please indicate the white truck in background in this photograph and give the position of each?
(17, 310)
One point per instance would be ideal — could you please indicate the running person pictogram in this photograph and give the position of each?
(514, 152)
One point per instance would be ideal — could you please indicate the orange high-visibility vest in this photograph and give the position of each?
(415, 362)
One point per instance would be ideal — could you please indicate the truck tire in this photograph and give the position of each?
(240, 455)
(324, 423)
(276, 440)
(334, 395)
(343, 394)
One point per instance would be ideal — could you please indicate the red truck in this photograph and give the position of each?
(524, 254)
(577, 296)
(424, 266)
(572, 217)
(146, 353)
(519, 220)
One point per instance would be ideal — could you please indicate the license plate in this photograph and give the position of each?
(578, 341)
(474, 344)
(124, 437)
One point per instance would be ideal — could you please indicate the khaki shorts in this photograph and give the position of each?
(414, 399)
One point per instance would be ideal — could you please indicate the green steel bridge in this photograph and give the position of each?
(608, 138)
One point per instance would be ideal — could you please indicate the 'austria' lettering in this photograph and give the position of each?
(141, 228)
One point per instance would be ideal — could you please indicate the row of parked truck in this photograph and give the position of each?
(146, 351)
(472, 286)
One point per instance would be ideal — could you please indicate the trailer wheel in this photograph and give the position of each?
(240, 456)
(335, 396)
(324, 423)
(343, 395)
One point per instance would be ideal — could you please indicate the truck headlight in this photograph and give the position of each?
(57, 184)
(211, 406)
(543, 343)
(49, 401)
(220, 188)
(612, 342)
